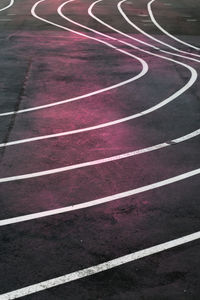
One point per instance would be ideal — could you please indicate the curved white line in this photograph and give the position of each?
(42, 173)
(142, 73)
(76, 98)
(124, 34)
(99, 201)
(111, 123)
(152, 37)
(167, 33)
(99, 91)
(112, 263)
(104, 125)
(132, 38)
(108, 265)
(8, 6)
(101, 161)
(98, 32)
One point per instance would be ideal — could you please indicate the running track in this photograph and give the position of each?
(99, 145)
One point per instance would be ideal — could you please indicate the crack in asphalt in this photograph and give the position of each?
(16, 108)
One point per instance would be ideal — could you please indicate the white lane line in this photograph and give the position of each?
(102, 267)
(95, 31)
(8, 6)
(70, 99)
(130, 37)
(150, 36)
(140, 60)
(47, 284)
(96, 92)
(166, 32)
(99, 201)
(103, 160)
(191, 81)
(155, 39)
(5, 20)
(111, 123)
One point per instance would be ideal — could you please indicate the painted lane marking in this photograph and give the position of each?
(141, 74)
(103, 160)
(193, 78)
(47, 284)
(166, 32)
(93, 93)
(130, 37)
(104, 125)
(99, 201)
(71, 167)
(8, 6)
(153, 38)
(95, 31)
(148, 35)
(69, 100)
(99, 268)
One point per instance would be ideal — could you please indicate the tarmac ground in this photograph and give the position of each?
(99, 150)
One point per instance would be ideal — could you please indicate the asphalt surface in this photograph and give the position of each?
(44, 62)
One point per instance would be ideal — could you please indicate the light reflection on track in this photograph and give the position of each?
(130, 257)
